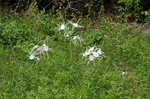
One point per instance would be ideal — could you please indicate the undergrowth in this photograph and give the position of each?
(123, 72)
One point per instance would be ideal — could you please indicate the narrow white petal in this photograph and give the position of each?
(91, 58)
(62, 27)
(45, 47)
(31, 57)
(95, 54)
(99, 51)
(91, 49)
(66, 35)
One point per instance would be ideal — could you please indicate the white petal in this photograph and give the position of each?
(91, 58)
(86, 53)
(31, 57)
(66, 35)
(95, 54)
(36, 46)
(99, 51)
(91, 49)
(37, 58)
(62, 27)
(76, 37)
(124, 73)
(75, 24)
(45, 47)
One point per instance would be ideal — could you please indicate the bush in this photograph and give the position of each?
(132, 10)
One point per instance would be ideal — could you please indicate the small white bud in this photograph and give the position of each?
(31, 57)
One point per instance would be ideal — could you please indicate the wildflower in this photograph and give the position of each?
(31, 57)
(91, 49)
(37, 58)
(99, 51)
(86, 53)
(124, 73)
(38, 51)
(35, 47)
(45, 48)
(93, 53)
(76, 38)
(66, 35)
(91, 58)
(75, 24)
(62, 27)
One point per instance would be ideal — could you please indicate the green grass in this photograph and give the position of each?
(64, 73)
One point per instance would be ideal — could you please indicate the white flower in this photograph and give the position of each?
(99, 51)
(91, 49)
(66, 35)
(36, 46)
(62, 27)
(37, 58)
(76, 38)
(74, 24)
(124, 73)
(45, 48)
(91, 58)
(31, 57)
(86, 53)
(92, 53)
(37, 51)
(95, 54)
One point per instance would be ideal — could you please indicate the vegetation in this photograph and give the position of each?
(130, 10)
(63, 69)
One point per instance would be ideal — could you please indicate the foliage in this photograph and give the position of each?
(63, 73)
(129, 10)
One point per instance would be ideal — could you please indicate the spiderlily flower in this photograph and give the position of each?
(31, 57)
(45, 48)
(37, 51)
(76, 38)
(93, 53)
(62, 27)
(75, 24)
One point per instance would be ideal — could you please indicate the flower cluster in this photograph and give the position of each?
(37, 51)
(93, 53)
(67, 34)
